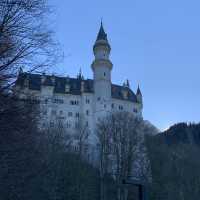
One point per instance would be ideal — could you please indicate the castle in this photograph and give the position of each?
(69, 99)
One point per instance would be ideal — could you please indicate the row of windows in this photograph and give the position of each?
(55, 100)
(120, 107)
(77, 115)
(77, 148)
(32, 101)
(87, 101)
(70, 114)
(69, 125)
(61, 101)
(58, 101)
(135, 110)
(74, 102)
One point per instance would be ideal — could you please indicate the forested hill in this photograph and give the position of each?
(174, 164)
(182, 133)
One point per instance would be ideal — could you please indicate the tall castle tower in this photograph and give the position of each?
(102, 68)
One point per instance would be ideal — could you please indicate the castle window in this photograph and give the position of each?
(76, 148)
(113, 105)
(87, 112)
(135, 110)
(69, 114)
(77, 115)
(104, 74)
(35, 100)
(43, 125)
(67, 88)
(99, 98)
(104, 105)
(60, 118)
(74, 102)
(46, 101)
(121, 107)
(68, 125)
(87, 101)
(51, 124)
(86, 147)
(58, 101)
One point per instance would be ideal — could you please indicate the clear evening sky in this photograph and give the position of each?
(155, 43)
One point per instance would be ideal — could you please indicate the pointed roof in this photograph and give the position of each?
(139, 91)
(102, 35)
(127, 83)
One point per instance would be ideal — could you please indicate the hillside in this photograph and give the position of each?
(174, 165)
(182, 133)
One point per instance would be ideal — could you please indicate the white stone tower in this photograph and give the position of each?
(102, 68)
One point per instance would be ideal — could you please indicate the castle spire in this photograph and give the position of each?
(79, 76)
(127, 83)
(102, 40)
(138, 90)
(80, 71)
(101, 35)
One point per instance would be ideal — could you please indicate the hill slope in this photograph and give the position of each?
(182, 133)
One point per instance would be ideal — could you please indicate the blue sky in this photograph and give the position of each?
(154, 43)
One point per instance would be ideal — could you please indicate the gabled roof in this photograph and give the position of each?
(59, 83)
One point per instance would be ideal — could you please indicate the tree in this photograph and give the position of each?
(120, 140)
(25, 40)
(175, 169)
(70, 175)
(21, 156)
(81, 138)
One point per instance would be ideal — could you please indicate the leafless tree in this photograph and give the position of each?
(120, 137)
(25, 39)
(81, 137)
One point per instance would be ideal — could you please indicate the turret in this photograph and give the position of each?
(139, 95)
(102, 68)
(101, 47)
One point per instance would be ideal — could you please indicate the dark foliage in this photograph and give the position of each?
(35, 165)
(182, 133)
(20, 157)
(175, 164)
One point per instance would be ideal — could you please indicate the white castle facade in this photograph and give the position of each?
(69, 99)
